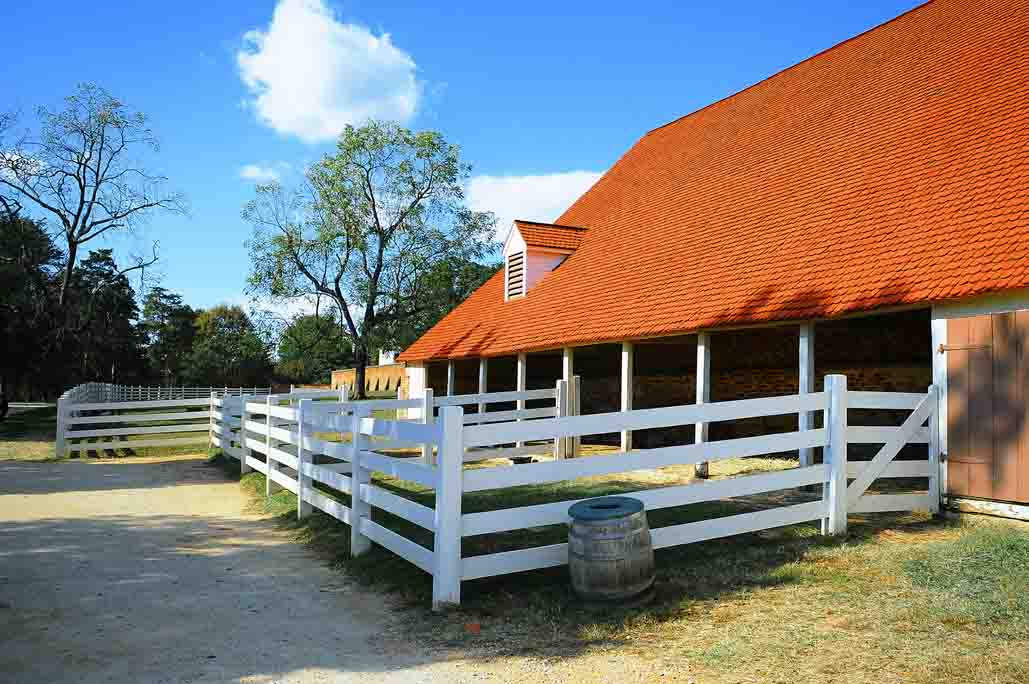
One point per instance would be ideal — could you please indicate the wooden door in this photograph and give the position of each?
(987, 406)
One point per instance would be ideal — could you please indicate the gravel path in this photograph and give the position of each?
(147, 570)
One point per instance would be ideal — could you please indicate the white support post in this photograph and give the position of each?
(575, 408)
(806, 385)
(627, 386)
(59, 445)
(446, 580)
(835, 489)
(427, 418)
(938, 354)
(703, 394)
(935, 496)
(244, 450)
(359, 475)
(561, 406)
(451, 379)
(567, 371)
(270, 463)
(304, 508)
(520, 382)
(483, 372)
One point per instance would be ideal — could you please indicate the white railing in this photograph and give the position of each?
(283, 440)
(97, 416)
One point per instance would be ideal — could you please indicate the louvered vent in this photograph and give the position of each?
(516, 275)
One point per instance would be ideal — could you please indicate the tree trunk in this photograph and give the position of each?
(360, 363)
(69, 268)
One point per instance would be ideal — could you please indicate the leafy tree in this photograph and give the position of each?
(447, 284)
(29, 260)
(312, 347)
(169, 326)
(109, 345)
(80, 169)
(366, 232)
(227, 350)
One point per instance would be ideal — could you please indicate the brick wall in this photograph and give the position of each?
(379, 380)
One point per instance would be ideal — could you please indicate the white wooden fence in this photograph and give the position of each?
(288, 444)
(100, 416)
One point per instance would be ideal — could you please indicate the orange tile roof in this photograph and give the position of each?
(892, 169)
(550, 235)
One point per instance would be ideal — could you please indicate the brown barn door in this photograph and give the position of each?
(987, 406)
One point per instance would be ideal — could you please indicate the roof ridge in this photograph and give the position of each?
(551, 225)
(789, 68)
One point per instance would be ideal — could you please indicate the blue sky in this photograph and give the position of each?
(541, 97)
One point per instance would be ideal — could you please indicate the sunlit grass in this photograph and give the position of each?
(900, 598)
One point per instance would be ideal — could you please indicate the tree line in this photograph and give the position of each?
(373, 247)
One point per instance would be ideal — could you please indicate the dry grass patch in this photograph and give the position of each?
(28, 435)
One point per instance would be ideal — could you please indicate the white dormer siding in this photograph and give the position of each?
(524, 266)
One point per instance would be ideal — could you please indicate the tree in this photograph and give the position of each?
(108, 346)
(29, 261)
(227, 350)
(366, 232)
(310, 348)
(169, 327)
(80, 170)
(447, 284)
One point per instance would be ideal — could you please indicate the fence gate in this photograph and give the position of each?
(920, 427)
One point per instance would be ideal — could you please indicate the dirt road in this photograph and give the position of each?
(148, 570)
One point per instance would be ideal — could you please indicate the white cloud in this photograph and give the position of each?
(309, 74)
(534, 198)
(259, 174)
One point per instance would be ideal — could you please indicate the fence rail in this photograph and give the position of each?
(283, 436)
(176, 416)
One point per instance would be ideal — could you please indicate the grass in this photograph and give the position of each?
(982, 578)
(28, 435)
(901, 598)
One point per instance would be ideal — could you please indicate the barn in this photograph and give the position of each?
(864, 212)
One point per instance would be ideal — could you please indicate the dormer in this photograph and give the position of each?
(532, 250)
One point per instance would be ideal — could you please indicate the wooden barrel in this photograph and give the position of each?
(610, 555)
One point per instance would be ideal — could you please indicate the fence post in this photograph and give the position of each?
(446, 580)
(304, 509)
(835, 490)
(561, 404)
(210, 419)
(59, 448)
(244, 450)
(427, 417)
(934, 452)
(269, 462)
(359, 508)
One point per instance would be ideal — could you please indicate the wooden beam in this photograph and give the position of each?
(626, 387)
(703, 393)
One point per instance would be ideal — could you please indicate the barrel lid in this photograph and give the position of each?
(605, 508)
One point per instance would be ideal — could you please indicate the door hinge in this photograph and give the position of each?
(962, 347)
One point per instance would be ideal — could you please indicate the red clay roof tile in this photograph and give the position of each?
(892, 169)
(550, 235)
